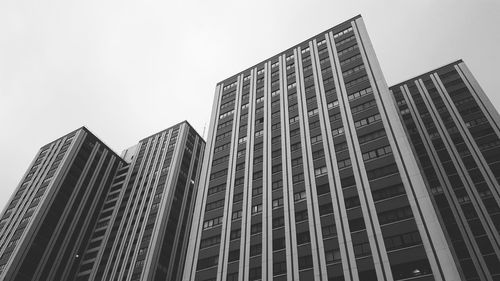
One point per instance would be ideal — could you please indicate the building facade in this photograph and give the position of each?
(102, 216)
(41, 227)
(308, 174)
(455, 134)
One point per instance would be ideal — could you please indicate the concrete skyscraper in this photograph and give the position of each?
(84, 213)
(60, 194)
(455, 134)
(308, 174)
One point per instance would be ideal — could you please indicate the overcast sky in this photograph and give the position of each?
(127, 69)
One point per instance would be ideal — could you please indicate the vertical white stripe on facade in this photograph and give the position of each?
(308, 168)
(288, 200)
(373, 231)
(231, 171)
(152, 253)
(246, 216)
(267, 214)
(201, 197)
(341, 221)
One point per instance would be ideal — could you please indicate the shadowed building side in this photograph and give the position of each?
(455, 134)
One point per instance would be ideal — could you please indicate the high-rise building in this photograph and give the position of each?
(84, 213)
(455, 135)
(58, 197)
(308, 174)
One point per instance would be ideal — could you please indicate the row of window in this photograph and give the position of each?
(353, 70)
(376, 153)
(363, 106)
(367, 121)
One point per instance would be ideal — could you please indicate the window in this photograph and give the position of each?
(371, 136)
(345, 31)
(360, 93)
(207, 262)
(402, 240)
(221, 147)
(256, 209)
(235, 234)
(277, 184)
(299, 195)
(254, 273)
(303, 237)
(362, 249)
(305, 262)
(395, 215)
(239, 181)
(350, 59)
(218, 174)
(326, 209)
(237, 214)
(353, 70)
(332, 256)
(329, 230)
(214, 205)
(210, 241)
(257, 191)
(296, 161)
(241, 153)
(256, 228)
(352, 202)
(356, 81)
(293, 133)
(313, 112)
(226, 114)
(316, 139)
(367, 121)
(242, 140)
(278, 202)
(377, 153)
(383, 171)
(320, 171)
(255, 250)
(278, 222)
(363, 106)
(278, 244)
(344, 163)
(213, 222)
(338, 131)
(300, 216)
(279, 268)
(233, 255)
(240, 166)
(238, 197)
(298, 178)
(294, 119)
(259, 133)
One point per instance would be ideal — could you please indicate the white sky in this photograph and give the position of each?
(127, 69)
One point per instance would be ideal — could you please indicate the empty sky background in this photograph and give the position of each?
(127, 69)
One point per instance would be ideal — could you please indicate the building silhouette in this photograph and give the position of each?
(308, 174)
(455, 135)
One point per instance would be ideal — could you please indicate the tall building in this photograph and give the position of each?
(103, 217)
(455, 135)
(308, 174)
(58, 197)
